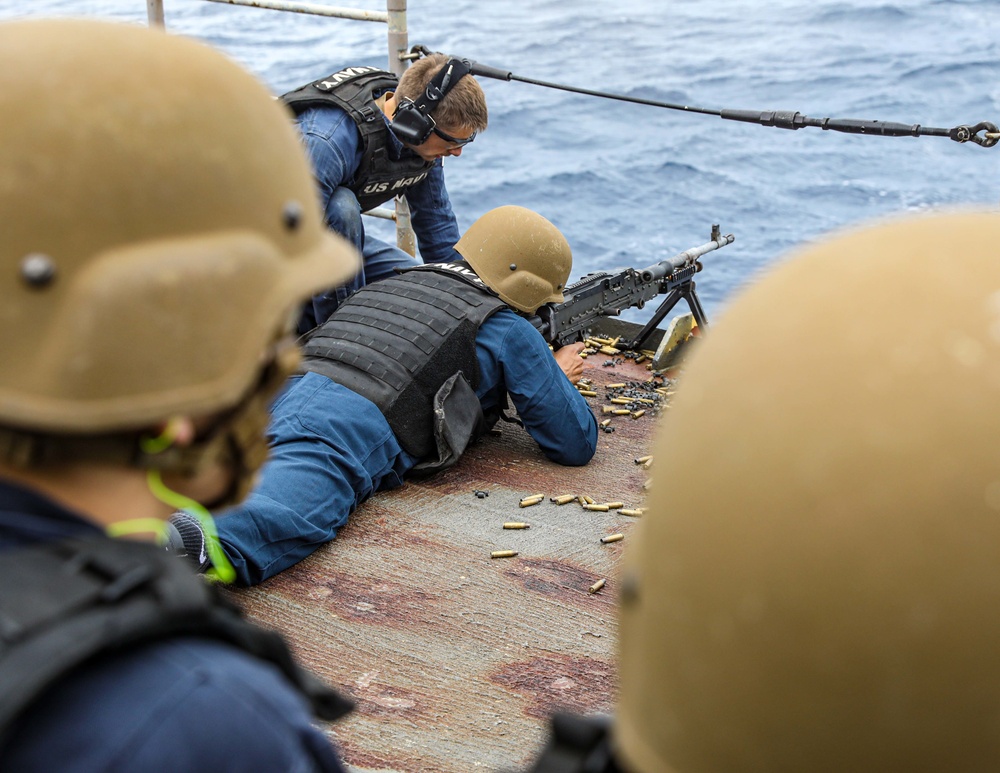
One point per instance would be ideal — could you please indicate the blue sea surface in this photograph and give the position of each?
(631, 184)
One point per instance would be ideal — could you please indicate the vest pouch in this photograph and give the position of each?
(458, 419)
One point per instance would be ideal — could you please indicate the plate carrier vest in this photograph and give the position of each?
(408, 344)
(63, 603)
(378, 178)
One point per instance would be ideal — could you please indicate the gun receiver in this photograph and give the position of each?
(607, 294)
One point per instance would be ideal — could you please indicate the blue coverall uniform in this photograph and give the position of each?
(331, 448)
(334, 145)
(179, 704)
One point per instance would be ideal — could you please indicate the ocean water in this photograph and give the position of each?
(631, 184)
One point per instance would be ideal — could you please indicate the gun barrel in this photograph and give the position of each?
(665, 268)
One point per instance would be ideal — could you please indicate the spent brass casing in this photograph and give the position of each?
(622, 401)
(615, 505)
(615, 386)
(612, 538)
(503, 554)
(585, 500)
(607, 409)
(532, 500)
(643, 459)
(635, 513)
(638, 414)
(597, 585)
(565, 499)
(587, 392)
(596, 508)
(621, 412)
(516, 525)
(609, 350)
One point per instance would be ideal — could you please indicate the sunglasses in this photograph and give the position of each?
(458, 143)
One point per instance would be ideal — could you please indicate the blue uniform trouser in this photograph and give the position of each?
(330, 450)
(343, 215)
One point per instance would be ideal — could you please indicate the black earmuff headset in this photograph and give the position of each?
(412, 122)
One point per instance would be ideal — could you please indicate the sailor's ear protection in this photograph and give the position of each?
(412, 122)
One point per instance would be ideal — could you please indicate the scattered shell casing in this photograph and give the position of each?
(621, 412)
(587, 393)
(596, 508)
(635, 513)
(647, 464)
(597, 585)
(606, 422)
(643, 459)
(645, 401)
(608, 350)
(532, 500)
(612, 538)
(638, 414)
(614, 386)
(607, 409)
(503, 554)
(587, 500)
(621, 401)
(615, 505)
(565, 499)
(516, 525)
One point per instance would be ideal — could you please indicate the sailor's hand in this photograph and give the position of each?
(568, 358)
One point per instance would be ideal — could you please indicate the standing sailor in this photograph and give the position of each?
(143, 177)
(372, 138)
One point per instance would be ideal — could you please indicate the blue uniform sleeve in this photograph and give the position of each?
(515, 358)
(434, 221)
(334, 146)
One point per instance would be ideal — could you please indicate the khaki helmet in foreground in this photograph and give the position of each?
(819, 589)
(160, 226)
(521, 256)
(160, 223)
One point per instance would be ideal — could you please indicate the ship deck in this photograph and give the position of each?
(456, 659)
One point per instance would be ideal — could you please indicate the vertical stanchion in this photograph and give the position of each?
(154, 11)
(398, 46)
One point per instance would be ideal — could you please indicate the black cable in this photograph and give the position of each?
(782, 119)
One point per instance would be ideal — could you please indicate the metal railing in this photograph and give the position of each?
(394, 17)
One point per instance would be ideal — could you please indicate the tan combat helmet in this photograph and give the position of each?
(160, 225)
(520, 255)
(816, 586)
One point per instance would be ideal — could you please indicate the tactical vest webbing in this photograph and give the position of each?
(378, 178)
(396, 342)
(63, 603)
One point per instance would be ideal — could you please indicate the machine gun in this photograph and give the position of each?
(607, 294)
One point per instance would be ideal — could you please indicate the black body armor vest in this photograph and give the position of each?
(379, 178)
(408, 344)
(63, 603)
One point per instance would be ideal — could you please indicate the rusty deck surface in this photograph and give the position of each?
(456, 659)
